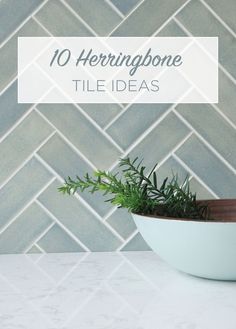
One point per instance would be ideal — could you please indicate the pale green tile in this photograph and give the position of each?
(208, 167)
(8, 53)
(86, 137)
(153, 12)
(11, 111)
(169, 168)
(57, 240)
(34, 250)
(161, 140)
(137, 118)
(33, 221)
(102, 20)
(60, 21)
(122, 222)
(79, 220)
(227, 96)
(21, 189)
(101, 113)
(208, 122)
(13, 12)
(172, 29)
(200, 22)
(71, 164)
(136, 244)
(225, 10)
(125, 6)
(21, 142)
(202, 192)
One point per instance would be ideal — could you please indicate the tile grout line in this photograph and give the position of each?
(132, 235)
(126, 17)
(115, 9)
(40, 248)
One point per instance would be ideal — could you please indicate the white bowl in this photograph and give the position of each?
(202, 248)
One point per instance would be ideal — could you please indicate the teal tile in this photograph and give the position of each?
(8, 53)
(122, 222)
(32, 222)
(11, 111)
(21, 189)
(136, 244)
(161, 140)
(201, 192)
(57, 240)
(153, 12)
(225, 10)
(101, 113)
(208, 122)
(137, 118)
(125, 6)
(71, 164)
(60, 21)
(13, 12)
(21, 142)
(200, 22)
(172, 29)
(79, 220)
(86, 137)
(208, 167)
(102, 20)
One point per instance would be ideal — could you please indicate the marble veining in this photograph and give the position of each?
(129, 290)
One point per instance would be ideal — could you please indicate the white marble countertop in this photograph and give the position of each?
(132, 290)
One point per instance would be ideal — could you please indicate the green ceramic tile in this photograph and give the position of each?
(102, 20)
(21, 189)
(86, 137)
(33, 221)
(137, 243)
(208, 122)
(200, 22)
(21, 142)
(13, 13)
(57, 240)
(8, 53)
(79, 220)
(71, 164)
(161, 140)
(60, 21)
(153, 12)
(208, 167)
(142, 116)
(225, 10)
(122, 222)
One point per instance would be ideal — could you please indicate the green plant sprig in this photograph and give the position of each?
(139, 192)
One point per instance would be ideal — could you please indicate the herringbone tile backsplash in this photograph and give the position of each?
(42, 144)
